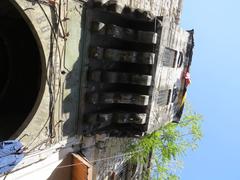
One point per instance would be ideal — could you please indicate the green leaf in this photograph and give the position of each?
(168, 144)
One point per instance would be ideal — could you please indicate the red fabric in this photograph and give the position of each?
(187, 78)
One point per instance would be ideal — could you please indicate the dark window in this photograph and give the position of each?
(174, 94)
(169, 57)
(186, 61)
(180, 60)
(163, 97)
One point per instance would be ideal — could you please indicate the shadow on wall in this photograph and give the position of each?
(71, 101)
(120, 65)
(71, 94)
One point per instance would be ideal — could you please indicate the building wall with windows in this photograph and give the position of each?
(175, 45)
(62, 48)
(170, 83)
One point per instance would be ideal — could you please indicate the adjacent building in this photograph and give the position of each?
(89, 77)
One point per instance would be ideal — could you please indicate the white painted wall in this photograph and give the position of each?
(46, 164)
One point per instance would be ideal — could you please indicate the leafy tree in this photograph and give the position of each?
(167, 146)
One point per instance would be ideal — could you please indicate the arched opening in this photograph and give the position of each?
(21, 72)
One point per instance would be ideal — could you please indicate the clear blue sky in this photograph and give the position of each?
(215, 88)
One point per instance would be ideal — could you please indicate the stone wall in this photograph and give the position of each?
(106, 154)
(173, 37)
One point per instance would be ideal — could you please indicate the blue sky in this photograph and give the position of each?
(215, 88)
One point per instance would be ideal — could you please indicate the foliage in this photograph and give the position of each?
(168, 144)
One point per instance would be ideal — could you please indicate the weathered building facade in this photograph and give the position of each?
(82, 74)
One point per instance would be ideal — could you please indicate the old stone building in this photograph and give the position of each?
(89, 77)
